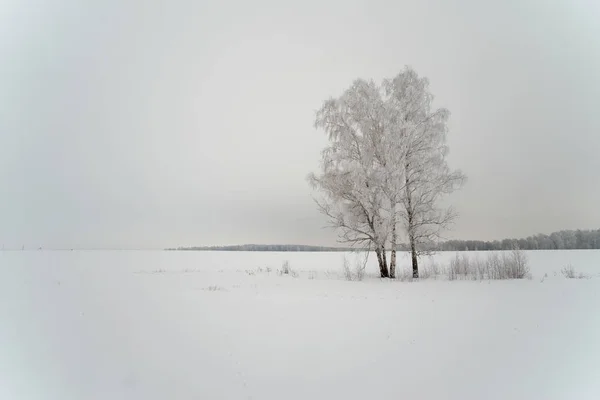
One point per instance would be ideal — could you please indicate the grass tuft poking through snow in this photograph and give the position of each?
(570, 273)
(214, 288)
(356, 272)
(285, 268)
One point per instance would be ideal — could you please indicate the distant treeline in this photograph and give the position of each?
(262, 247)
(562, 240)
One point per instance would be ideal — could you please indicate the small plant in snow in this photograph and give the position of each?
(434, 269)
(425, 272)
(287, 270)
(331, 274)
(214, 288)
(570, 273)
(355, 272)
(460, 268)
(405, 275)
(346, 269)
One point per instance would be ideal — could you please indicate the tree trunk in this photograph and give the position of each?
(411, 226)
(382, 262)
(415, 264)
(378, 253)
(393, 260)
(384, 256)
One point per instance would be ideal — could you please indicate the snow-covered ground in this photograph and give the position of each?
(202, 325)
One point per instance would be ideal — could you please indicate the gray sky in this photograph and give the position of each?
(152, 124)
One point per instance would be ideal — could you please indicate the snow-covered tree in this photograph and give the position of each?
(350, 180)
(385, 168)
(418, 144)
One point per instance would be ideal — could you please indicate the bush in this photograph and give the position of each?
(286, 269)
(424, 272)
(570, 273)
(356, 272)
(434, 269)
(517, 267)
(507, 266)
(346, 269)
(460, 267)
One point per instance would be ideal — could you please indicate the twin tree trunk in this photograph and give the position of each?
(381, 259)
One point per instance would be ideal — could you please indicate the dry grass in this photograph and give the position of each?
(570, 273)
(513, 265)
(356, 271)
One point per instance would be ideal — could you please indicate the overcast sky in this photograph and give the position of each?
(183, 122)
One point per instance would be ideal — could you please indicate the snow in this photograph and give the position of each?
(211, 325)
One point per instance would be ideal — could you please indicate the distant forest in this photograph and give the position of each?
(263, 247)
(562, 240)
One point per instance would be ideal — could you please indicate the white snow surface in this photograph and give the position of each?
(211, 325)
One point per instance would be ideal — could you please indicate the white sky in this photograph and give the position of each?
(153, 124)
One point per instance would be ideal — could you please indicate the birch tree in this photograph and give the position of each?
(350, 180)
(385, 170)
(418, 143)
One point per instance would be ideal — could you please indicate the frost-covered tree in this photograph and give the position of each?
(385, 168)
(351, 178)
(418, 144)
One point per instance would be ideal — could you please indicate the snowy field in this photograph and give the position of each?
(215, 325)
